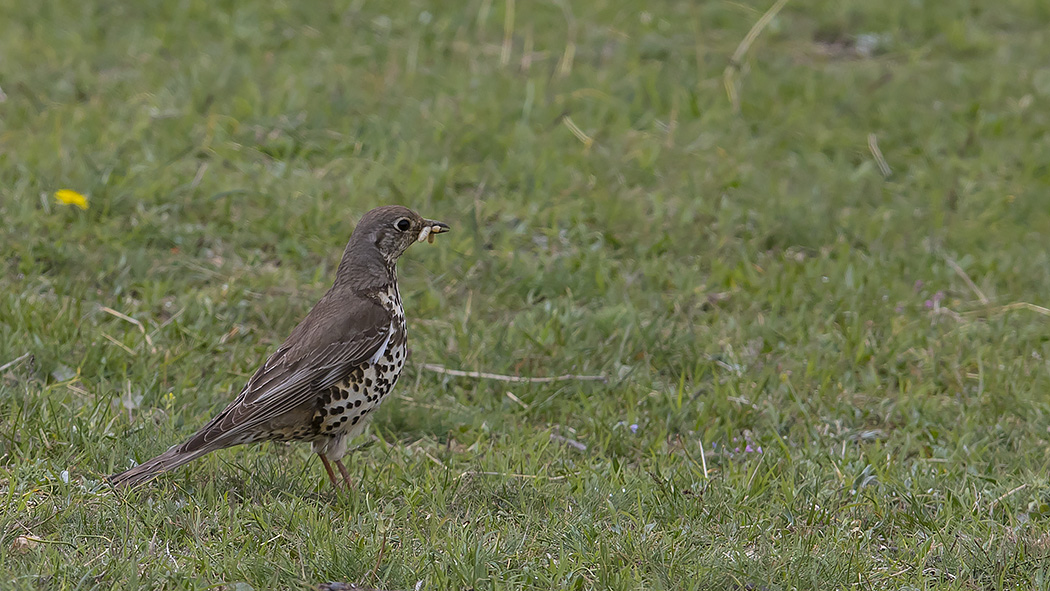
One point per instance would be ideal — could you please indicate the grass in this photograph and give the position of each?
(746, 277)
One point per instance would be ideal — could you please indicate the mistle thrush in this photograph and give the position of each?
(336, 367)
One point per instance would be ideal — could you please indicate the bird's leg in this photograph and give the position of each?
(328, 468)
(346, 475)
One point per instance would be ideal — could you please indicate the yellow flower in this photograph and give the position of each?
(67, 197)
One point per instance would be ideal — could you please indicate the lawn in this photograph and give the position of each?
(812, 265)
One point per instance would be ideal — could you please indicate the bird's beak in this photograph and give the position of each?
(430, 228)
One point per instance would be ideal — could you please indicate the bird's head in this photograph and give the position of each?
(388, 231)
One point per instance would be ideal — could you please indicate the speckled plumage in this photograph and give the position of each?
(324, 383)
(341, 411)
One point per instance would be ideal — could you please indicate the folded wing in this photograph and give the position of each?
(333, 340)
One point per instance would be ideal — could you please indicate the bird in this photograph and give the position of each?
(335, 368)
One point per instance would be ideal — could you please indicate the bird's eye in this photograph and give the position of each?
(403, 224)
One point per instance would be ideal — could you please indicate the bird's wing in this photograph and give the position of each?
(328, 344)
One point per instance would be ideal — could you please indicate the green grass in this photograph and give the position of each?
(741, 276)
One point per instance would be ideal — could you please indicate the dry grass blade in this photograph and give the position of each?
(969, 282)
(509, 475)
(876, 153)
(729, 75)
(1014, 490)
(127, 318)
(119, 344)
(587, 140)
(15, 361)
(570, 442)
(517, 400)
(517, 379)
(1014, 306)
(569, 55)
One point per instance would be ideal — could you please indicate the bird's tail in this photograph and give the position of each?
(146, 471)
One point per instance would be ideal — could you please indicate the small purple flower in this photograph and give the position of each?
(918, 285)
(634, 428)
(935, 300)
(748, 449)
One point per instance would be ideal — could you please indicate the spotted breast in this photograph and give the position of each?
(344, 409)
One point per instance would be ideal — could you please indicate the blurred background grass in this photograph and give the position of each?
(820, 375)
